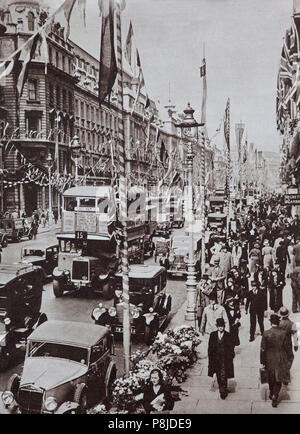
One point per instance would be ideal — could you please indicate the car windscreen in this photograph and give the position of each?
(59, 351)
(33, 252)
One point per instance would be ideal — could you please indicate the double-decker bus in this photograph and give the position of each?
(89, 252)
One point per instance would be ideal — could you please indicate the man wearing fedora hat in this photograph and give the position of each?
(220, 356)
(291, 335)
(273, 357)
(256, 301)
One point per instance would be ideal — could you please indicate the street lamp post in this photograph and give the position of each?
(49, 165)
(75, 153)
(189, 131)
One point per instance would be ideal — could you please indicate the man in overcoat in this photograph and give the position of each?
(273, 357)
(220, 356)
(256, 300)
(291, 337)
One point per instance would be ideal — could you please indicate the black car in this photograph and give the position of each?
(21, 289)
(44, 257)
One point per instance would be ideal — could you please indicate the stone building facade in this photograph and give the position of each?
(60, 101)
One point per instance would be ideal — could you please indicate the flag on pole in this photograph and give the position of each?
(141, 81)
(239, 131)
(43, 50)
(108, 63)
(128, 48)
(204, 94)
(27, 54)
(227, 125)
(82, 10)
(7, 67)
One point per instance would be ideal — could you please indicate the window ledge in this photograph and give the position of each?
(33, 101)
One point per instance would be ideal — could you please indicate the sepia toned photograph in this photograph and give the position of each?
(149, 209)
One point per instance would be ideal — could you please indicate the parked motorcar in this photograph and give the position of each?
(3, 240)
(16, 229)
(149, 304)
(21, 289)
(179, 255)
(68, 368)
(46, 257)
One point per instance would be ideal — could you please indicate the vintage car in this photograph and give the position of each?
(149, 303)
(179, 256)
(163, 229)
(216, 220)
(68, 368)
(15, 229)
(21, 289)
(44, 257)
(3, 240)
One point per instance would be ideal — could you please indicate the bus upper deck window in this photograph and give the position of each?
(87, 202)
(70, 203)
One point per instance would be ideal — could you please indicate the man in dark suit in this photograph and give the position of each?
(256, 299)
(220, 356)
(273, 356)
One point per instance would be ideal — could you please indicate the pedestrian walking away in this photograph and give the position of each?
(273, 357)
(291, 337)
(220, 357)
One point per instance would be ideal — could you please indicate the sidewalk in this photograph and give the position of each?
(248, 397)
(48, 229)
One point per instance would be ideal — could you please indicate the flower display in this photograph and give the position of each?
(175, 352)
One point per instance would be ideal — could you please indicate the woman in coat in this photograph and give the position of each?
(232, 307)
(255, 258)
(156, 395)
(220, 356)
(267, 254)
(236, 254)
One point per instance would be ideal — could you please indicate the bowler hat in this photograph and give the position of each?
(274, 319)
(220, 322)
(212, 296)
(284, 311)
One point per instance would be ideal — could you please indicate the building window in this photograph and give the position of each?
(71, 105)
(82, 110)
(58, 96)
(57, 60)
(31, 22)
(33, 123)
(32, 90)
(64, 100)
(51, 94)
(20, 26)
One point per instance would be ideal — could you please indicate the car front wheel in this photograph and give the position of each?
(4, 358)
(13, 384)
(57, 288)
(80, 397)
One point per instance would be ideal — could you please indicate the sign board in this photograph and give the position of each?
(81, 235)
(292, 199)
(68, 221)
(86, 222)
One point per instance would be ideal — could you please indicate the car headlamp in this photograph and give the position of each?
(51, 404)
(118, 293)
(135, 313)
(7, 321)
(97, 312)
(66, 272)
(84, 278)
(151, 310)
(112, 311)
(7, 398)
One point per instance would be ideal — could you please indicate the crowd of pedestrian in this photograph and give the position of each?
(246, 273)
